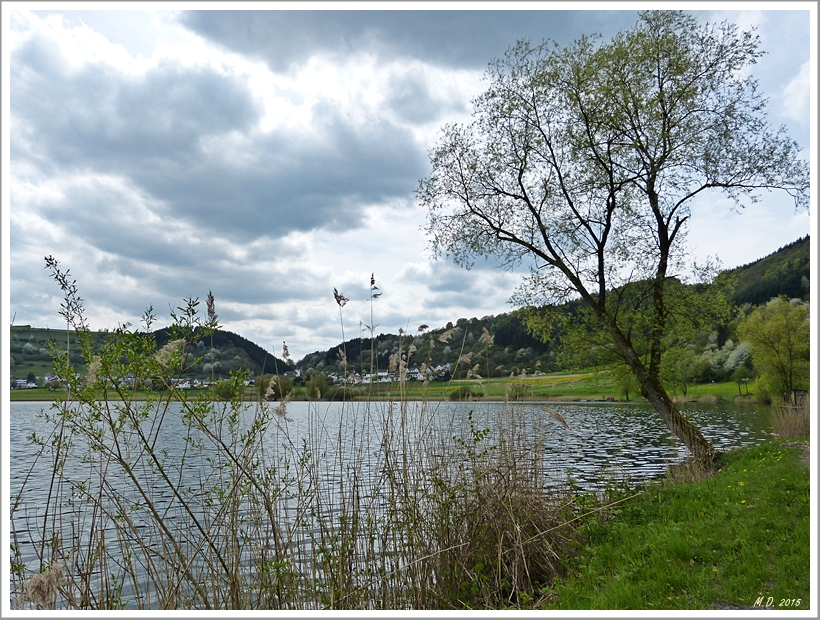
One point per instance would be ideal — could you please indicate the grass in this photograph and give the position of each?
(719, 543)
(554, 386)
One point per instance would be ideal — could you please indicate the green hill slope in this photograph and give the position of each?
(785, 272)
(224, 353)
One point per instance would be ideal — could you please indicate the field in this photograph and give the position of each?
(551, 387)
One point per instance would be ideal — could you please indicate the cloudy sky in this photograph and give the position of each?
(272, 155)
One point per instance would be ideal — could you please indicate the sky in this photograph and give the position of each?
(270, 156)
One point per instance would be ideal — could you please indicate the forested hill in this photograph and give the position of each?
(785, 272)
(228, 352)
(221, 353)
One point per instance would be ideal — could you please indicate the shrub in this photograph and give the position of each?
(318, 386)
(464, 392)
(228, 389)
(273, 387)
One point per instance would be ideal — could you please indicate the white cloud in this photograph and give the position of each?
(796, 95)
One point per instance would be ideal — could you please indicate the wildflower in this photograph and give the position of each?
(741, 484)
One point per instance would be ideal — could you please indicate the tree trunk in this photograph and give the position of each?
(654, 392)
(687, 432)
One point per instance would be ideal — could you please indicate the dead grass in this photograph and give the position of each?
(791, 421)
(691, 470)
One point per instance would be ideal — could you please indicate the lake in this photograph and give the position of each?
(601, 443)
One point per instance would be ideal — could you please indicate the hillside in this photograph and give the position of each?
(225, 352)
(510, 349)
(785, 272)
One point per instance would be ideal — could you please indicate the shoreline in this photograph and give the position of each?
(704, 400)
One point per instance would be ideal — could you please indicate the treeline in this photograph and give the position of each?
(708, 337)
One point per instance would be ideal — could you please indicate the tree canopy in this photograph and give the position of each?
(778, 333)
(583, 162)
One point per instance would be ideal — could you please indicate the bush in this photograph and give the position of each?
(464, 392)
(228, 389)
(318, 386)
(273, 387)
(518, 391)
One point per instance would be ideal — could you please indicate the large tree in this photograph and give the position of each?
(583, 162)
(778, 333)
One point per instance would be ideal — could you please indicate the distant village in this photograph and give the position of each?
(440, 372)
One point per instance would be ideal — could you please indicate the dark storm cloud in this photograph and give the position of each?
(468, 39)
(296, 182)
(153, 129)
(411, 99)
(96, 117)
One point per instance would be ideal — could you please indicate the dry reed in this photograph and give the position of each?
(791, 421)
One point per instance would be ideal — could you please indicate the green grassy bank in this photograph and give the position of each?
(555, 387)
(737, 539)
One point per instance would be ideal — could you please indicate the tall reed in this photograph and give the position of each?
(791, 421)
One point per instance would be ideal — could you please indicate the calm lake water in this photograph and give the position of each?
(601, 441)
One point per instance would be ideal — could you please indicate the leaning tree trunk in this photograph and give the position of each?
(654, 392)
